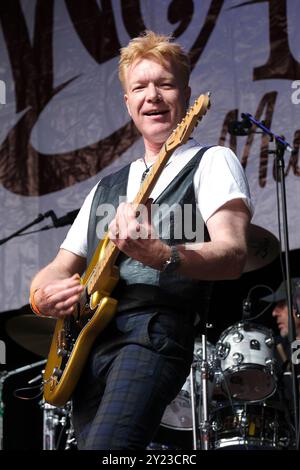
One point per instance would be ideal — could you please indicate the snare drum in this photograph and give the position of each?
(250, 426)
(178, 414)
(246, 353)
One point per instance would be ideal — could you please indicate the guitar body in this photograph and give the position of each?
(74, 335)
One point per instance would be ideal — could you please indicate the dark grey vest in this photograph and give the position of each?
(176, 220)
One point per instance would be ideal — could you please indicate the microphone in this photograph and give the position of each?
(240, 128)
(51, 214)
(67, 219)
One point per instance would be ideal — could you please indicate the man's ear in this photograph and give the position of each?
(127, 104)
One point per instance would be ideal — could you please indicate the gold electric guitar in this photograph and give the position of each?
(74, 335)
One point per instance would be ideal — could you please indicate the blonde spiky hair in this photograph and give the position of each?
(155, 46)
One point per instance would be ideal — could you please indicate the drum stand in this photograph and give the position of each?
(71, 439)
(50, 421)
(54, 419)
(201, 425)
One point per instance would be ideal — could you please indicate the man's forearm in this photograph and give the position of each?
(212, 261)
(49, 273)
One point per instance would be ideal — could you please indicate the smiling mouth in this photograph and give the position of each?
(156, 113)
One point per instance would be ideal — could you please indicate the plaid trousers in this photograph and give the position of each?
(136, 368)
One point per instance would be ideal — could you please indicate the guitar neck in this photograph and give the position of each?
(108, 259)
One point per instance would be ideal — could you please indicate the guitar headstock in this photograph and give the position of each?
(184, 129)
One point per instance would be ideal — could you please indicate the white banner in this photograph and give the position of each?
(63, 122)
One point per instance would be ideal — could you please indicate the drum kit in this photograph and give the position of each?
(227, 400)
(237, 407)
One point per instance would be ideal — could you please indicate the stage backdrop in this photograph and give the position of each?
(63, 123)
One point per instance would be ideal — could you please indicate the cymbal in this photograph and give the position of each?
(32, 332)
(263, 248)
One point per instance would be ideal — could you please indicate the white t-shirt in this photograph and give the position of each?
(218, 179)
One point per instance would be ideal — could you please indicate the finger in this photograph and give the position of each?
(136, 231)
(56, 287)
(67, 305)
(65, 294)
(113, 232)
(149, 210)
(127, 222)
(65, 313)
(72, 281)
(49, 302)
(125, 213)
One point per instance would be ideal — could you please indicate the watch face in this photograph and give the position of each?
(173, 262)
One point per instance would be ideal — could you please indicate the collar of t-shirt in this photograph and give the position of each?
(171, 170)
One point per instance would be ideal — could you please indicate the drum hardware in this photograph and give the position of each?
(189, 411)
(58, 432)
(250, 426)
(5, 375)
(71, 439)
(161, 446)
(178, 415)
(50, 422)
(204, 424)
(195, 427)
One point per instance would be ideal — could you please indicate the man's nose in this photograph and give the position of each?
(275, 312)
(153, 94)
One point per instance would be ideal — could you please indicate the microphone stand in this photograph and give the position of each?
(281, 146)
(21, 230)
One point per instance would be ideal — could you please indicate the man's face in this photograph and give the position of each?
(280, 312)
(156, 99)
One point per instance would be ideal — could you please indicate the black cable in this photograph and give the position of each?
(23, 389)
(249, 298)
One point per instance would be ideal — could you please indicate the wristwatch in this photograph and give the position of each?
(173, 262)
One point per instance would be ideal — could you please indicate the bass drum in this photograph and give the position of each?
(250, 427)
(178, 414)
